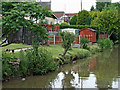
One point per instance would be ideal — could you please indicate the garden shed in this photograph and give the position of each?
(88, 33)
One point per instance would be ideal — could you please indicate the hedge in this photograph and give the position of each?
(78, 26)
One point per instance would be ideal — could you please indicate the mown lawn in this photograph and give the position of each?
(15, 46)
(55, 50)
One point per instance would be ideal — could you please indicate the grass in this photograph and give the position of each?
(15, 46)
(55, 50)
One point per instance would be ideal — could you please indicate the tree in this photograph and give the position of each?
(100, 5)
(67, 38)
(92, 8)
(83, 18)
(13, 18)
(73, 20)
(108, 21)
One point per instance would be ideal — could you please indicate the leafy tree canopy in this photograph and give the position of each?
(108, 21)
(100, 4)
(73, 20)
(13, 17)
(92, 8)
(83, 18)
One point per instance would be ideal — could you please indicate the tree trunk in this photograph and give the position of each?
(104, 35)
(65, 51)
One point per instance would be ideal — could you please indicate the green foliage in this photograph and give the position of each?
(64, 23)
(23, 67)
(94, 14)
(79, 54)
(13, 18)
(40, 62)
(113, 5)
(106, 43)
(7, 68)
(100, 5)
(67, 39)
(78, 26)
(83, 18)
(84, 42)
(108, 21)
(73, 20)
(92, 8)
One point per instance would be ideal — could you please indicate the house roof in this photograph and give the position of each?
(88, 29)
(59, 14)
(71, 14)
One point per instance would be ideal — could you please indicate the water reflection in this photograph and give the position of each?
(99, 72)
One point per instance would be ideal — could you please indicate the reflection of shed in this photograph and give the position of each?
(88, 33)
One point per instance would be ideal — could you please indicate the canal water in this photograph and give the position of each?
(98, 71)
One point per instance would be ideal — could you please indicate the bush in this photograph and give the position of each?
(67, 39)
(23, 67)
(106, 43)
(7, 68)
(84, 42)
(40, 63)
(78, 26)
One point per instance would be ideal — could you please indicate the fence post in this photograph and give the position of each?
(54, 39)
(79, 39)
(89, 38)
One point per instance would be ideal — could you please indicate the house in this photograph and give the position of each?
(60, 17)
(88, 33)
(70, 15)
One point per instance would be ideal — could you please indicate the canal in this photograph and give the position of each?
(98, 71)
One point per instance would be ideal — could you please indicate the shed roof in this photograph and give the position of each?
(89, 29)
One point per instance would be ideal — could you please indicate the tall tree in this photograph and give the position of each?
(92, 8)
(108, 21)
(73, 20)
(13, 18)
(100, 5)
(83, 17)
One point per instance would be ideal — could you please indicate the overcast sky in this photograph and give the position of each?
(72, 6)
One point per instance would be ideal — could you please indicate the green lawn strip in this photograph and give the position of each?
(55, 50)
(15, 46)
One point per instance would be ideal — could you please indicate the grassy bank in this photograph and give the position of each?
(21, 63)
(15, 46)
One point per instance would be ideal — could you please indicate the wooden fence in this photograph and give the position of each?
(57, 39)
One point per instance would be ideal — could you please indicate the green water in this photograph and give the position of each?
(99, 71)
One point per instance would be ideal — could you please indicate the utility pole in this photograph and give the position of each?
(81, 5)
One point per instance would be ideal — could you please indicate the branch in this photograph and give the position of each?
(110, 34)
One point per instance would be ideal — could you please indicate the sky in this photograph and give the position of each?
(72, 6)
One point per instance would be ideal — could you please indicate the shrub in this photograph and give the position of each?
(7, 68)
(23, 67)
(106, 43)
(84, 42)
(40, 62)
(67, 39)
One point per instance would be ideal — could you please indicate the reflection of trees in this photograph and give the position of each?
(66, 81)
(107, 69)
